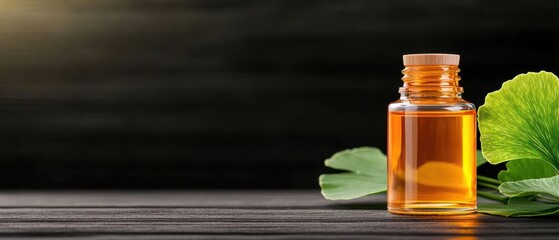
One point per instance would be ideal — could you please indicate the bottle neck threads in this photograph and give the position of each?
(431, 81)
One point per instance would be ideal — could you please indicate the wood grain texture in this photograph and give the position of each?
(239, 215)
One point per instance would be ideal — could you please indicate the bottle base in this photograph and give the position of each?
(438, 208)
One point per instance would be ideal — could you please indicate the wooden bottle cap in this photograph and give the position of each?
(431, 59)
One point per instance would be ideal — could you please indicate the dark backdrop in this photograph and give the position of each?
(230, 93)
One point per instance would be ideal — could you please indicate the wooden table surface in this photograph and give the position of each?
(288, 214)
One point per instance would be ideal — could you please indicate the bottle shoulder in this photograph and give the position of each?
(432, 105)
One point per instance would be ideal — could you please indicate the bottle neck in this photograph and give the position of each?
(431, 82)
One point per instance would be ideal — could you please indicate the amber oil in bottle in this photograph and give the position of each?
(431, 140)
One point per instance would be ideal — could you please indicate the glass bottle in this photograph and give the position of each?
(431, 140)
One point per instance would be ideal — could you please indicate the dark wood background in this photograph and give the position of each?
(230, 93)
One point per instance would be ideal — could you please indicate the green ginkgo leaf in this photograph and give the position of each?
(521, 120)
(527, 187)
(366, 174)
(520, 207)
(480, 159)
(526, 169)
